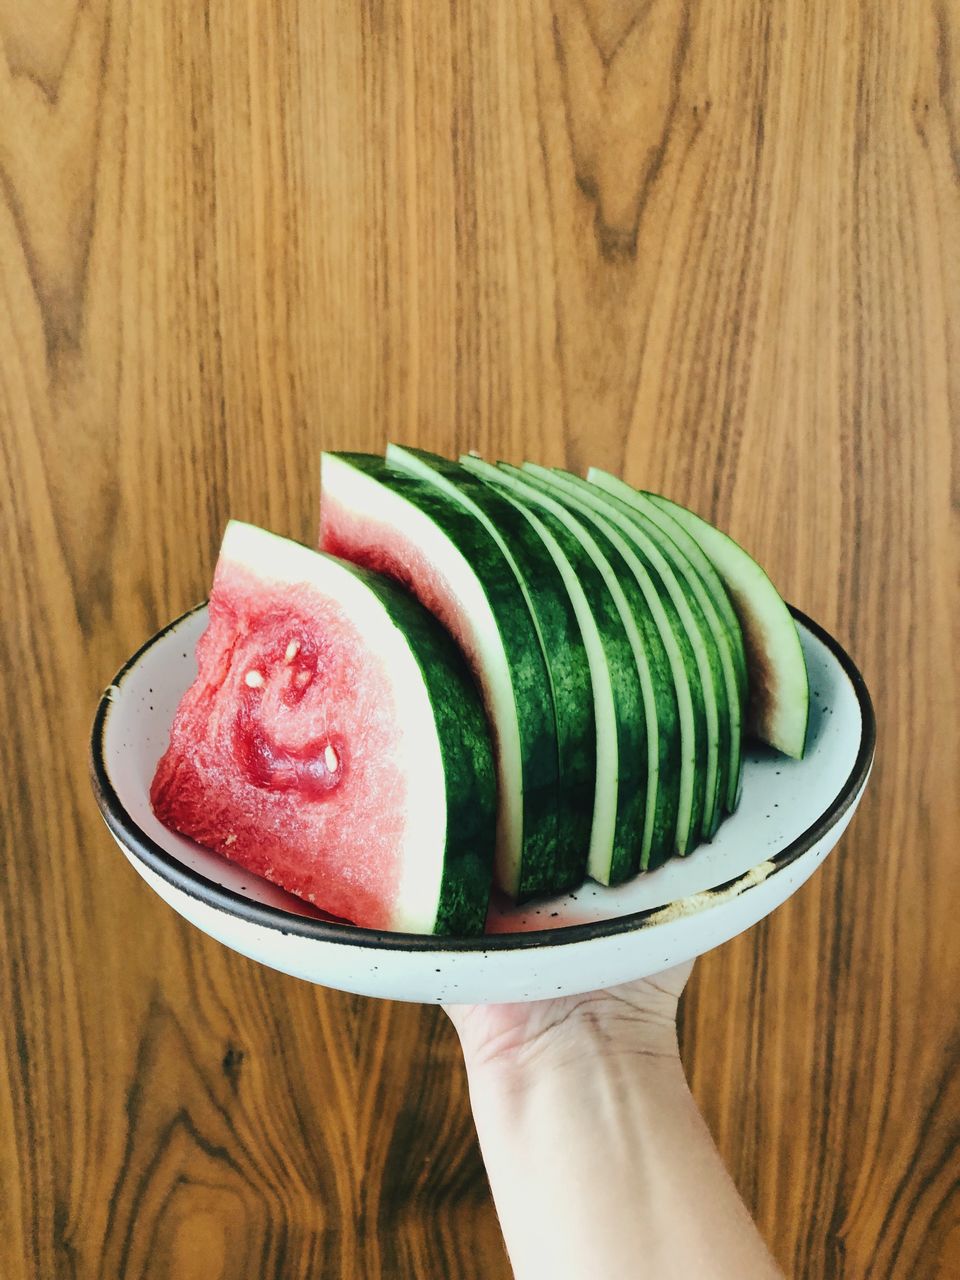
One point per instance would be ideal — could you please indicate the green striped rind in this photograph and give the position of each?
(528, 674)
(779, 703)
(717, 607)
(468, 766)
(649, 595)
(560, 641)
(617, 856)
(707, 634)
(653, 508)
(599, 575)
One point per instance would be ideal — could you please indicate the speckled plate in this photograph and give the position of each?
(791, 816)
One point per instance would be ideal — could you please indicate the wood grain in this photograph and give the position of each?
(711, 246)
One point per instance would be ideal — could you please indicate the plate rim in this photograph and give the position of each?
(197, 886)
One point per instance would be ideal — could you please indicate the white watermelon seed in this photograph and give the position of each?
(330, 758)
(230, 839)
(253, 679)
(293, 648)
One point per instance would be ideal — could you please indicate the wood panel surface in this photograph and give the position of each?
(713, 246)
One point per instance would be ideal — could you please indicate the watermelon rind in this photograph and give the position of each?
(634, 771)
(691, 548)
(401, 526)
(560, 638)
(650, 603)
(704, 630)
(779, 702)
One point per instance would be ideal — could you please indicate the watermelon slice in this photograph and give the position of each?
(620, 835)
(779, 705)
(649, 600)
(393, 523)
(334, 742)
(706, 635)
(559, 635)
(656, 512)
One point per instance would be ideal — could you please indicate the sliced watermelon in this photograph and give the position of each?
(619, 835)
(334, 742)
(559, 634)
(691, 548)
(707, 637)
(711, 595)
(779, 704)
(650, 600)
(377, 517)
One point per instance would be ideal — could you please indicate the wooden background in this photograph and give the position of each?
(711, 245)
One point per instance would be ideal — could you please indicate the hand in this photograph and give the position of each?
(636, 1017)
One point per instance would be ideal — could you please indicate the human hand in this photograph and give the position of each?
(637, 1017)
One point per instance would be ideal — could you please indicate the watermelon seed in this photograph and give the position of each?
(230, 839)
(253, 679)
(330, 758)
(293, 648)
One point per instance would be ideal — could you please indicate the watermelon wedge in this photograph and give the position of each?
(620, 834)
(334, 742)
(559, 634)
(779, 702)
(704, 629)
(395, 524)
(644, 598)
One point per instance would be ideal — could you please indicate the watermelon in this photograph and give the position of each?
(558, 633)
(779, 702)
(334, 742)
(395, 524)
(620, 834)
(714, 601)
(704, 630)
(650, 600)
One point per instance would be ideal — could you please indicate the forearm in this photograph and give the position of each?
(601, 1167)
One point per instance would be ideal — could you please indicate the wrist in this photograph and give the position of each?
(579, 1044)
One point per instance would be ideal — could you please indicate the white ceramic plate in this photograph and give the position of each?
(791, 816)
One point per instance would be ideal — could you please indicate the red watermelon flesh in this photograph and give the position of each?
(383, 548)
(286, 754)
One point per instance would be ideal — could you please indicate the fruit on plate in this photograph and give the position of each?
(622, 820)
(405, 528)
(334, 742)
(702, 627)
(560, 636)
(779, 691)
(489, 677)
(651, 616)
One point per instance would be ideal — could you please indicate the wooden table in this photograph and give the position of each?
(711, 246)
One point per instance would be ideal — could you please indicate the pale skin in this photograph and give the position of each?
(600, 1164)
